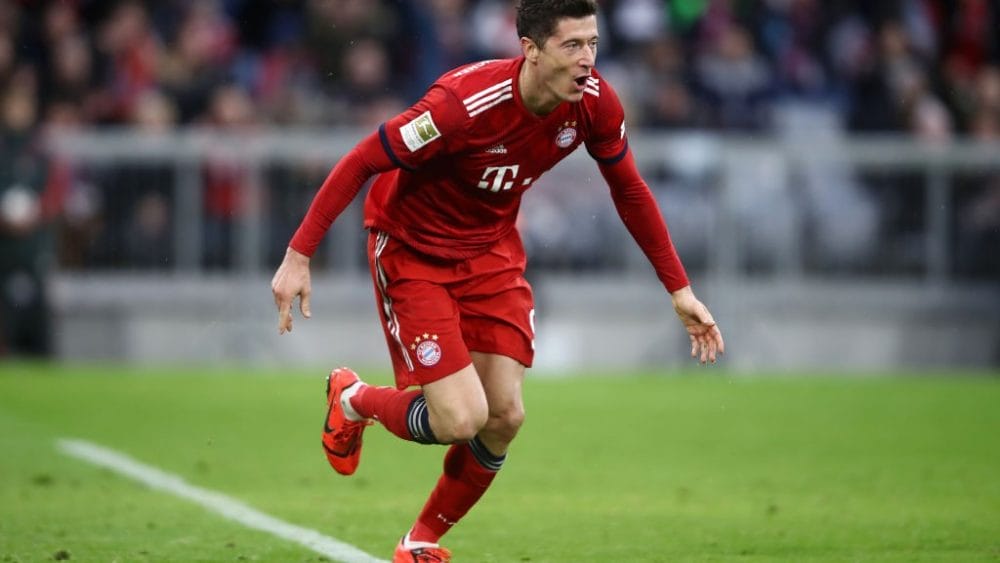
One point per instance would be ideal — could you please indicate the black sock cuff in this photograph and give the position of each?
(418, 421)
(484, 456)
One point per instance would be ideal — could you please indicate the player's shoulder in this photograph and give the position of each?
(468, 79)
(598, 91)
(482, 85)
(600, 106)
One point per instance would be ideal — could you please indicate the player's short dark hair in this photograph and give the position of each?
(537, 19)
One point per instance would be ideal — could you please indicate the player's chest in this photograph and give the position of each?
(504, 159)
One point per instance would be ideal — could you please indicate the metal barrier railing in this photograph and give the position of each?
(887, 207)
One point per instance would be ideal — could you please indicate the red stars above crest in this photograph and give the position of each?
(427, 350)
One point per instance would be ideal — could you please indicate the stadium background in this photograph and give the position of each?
(828, 171)
(831, 176)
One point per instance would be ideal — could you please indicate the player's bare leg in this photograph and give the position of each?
(470, 468)
(457, 405)
(502, 379)
(454, 410)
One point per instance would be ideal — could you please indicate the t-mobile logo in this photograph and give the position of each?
(499, 174)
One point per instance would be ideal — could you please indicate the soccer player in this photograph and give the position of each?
(448, 264)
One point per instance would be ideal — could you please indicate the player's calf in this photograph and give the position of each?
(449, 410)
(409, 415)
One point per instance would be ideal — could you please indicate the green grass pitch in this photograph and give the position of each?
(632, 467)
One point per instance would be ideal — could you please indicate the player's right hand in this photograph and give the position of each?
(291, 281)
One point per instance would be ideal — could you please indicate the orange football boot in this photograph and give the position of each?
(419, 552)
(341, 437)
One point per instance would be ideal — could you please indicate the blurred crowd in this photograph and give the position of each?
(925, 69)
(926, 66)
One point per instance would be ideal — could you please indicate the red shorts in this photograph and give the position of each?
(434, 312)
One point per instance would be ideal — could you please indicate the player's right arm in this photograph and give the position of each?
(292, 279)
(405, 141)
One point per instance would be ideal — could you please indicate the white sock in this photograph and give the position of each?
(345, 402)
(408, 544)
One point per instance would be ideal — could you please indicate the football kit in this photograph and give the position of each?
(445, 256)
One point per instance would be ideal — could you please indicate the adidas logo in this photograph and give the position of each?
(497, 149)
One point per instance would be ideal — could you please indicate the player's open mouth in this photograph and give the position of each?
(581, 81)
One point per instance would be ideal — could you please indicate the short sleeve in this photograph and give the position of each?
(431, 127)
(608, 143)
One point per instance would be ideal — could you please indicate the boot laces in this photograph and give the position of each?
(350, 431)
(431, 555)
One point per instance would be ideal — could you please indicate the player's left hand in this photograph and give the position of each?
(706, 338)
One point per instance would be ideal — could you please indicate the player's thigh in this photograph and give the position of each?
(421, 320)
(501, 323)
(502, 379)
(457, 402)
(497, 305)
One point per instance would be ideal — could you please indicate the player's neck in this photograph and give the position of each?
(536, 98)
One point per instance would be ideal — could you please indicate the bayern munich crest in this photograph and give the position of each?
(427, 349)
(566, 136)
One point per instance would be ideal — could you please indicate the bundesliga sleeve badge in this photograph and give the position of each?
(420, 131)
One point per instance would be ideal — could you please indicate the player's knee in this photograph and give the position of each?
(461, 426)
(468, 431)
(504, 423)
(465, 428)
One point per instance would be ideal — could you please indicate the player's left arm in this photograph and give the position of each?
(641, 215)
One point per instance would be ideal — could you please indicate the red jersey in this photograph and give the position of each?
(469, 149)
(452, 168)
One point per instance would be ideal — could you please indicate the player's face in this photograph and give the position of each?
(568, 57)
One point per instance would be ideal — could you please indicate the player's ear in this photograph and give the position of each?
(530, 49)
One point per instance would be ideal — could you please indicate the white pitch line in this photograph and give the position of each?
(214, 501)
